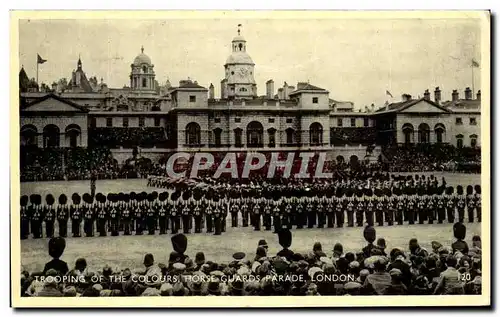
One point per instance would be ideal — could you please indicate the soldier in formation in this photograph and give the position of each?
(201, 210)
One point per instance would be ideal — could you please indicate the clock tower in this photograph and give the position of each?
(239, 80)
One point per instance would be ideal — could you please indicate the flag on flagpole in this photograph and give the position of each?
(388, 93)
(40, 60)
(474, 63)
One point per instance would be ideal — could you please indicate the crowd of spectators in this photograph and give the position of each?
(372, 270)
(422, 158)
(145, 137)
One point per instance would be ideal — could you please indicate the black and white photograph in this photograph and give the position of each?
(341, 157)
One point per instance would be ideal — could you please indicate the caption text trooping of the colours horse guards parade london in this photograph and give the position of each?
(156, 157)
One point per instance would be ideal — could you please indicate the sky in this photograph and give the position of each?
(354, 59)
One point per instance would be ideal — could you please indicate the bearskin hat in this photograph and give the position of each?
(186, 195)
(24, 200)
(133, 195)
(163, 196)
(370, 234)
(285, 238)
(477, 189)
(460, 190)
(76, 198)
(459, 231)
(126, 198)
(470, 190)
(56, 247)
(63, 199)
(49, 199)
(449, 190)
(179, 243)
(88, 198)
(150, 197)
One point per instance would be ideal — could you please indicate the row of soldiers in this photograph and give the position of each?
(151, 212)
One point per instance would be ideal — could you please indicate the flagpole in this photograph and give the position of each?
(37, 70)
(472, 66)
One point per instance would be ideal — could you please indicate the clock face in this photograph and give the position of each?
(243, 72)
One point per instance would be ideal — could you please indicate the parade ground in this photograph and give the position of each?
(129, 251)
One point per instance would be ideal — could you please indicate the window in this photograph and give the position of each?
(237, 120)
(192, 98)
(366, 122)
(125, 122)
(217, 120)
(144, 82)
(144, 69)
(473, 142)
(109, 122)
(217, 137)
(316, 134)
(237, 137)
(460, 141)
(271, 120)
(458, 121)
(243, 89)
(93, 122)
(272, 137)
(157, 121)
(289, 120)
(315, 99)
(339, 122)
(141, 121)
(289, 136)
(193, 134)
(353, 122)
(473, 121)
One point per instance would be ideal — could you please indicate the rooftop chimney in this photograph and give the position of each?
(270, 89)
(211, 92)
(406, 97)
(437, 95)
(427, 95)
(454, 95)
(468, 94)
(478, 95)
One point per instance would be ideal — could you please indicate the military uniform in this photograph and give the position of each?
(49, 216)
(450, 208)
(330, 213)
(266, 217)
(151, 217)
(209, 218)
(478, 206)
(235, 208)
(470, 207)
(244, 214)
(410, 210)
(102, 220)
(441, 205)
(175, 218)
(76, 219)
(198, 217)
(380, 210)
(36, 218)
(277, 217)
(89, 217)
(400, 206)
(114, 219)
(421, 210)
(321, 210)
(390, 210)
(350, 212)
(370, 212)
(62, 215)
(186, 218)
(339, 212)
(25, 218)
(126, 218)
(256, 216)
(431, 209)
(217, 220)
(311, 214)
(300, 215)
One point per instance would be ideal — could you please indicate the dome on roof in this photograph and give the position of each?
(239, 38)
(239, 58)
(142, 58)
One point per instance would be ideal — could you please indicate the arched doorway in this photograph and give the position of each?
(238, 142)
(73, 133)
(439, 131)
(316, 134)
(460, 141)
(193, 134)
(408, 132)
(29, 135)
(51, 136)
(424, 133)
(255, 132)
